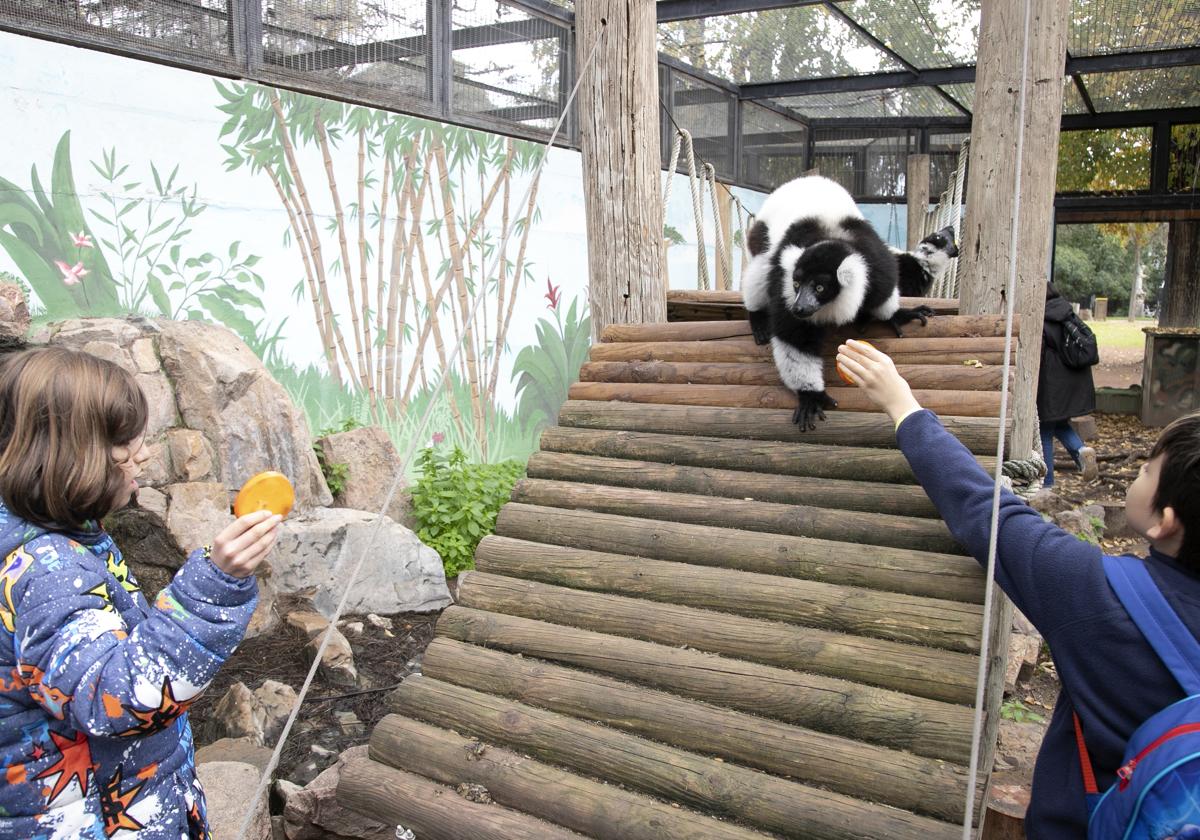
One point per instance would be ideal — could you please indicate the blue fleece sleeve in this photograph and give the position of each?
(1038, 564)
(83, 664)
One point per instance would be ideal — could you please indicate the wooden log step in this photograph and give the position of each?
(946, 576)
(849, 428)
(886, 718)
(919, 377)
(904, 351)
(756, 799)
(900, 779)
(866, 496)
(947, 306)
(757, 456)
(769, 517)
(830, 641)
(605, 812)
(685, 305)
(962, 403)
(941, 326)
(432, 811)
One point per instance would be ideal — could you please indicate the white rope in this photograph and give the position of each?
(743, 216)
(724, 269)
(671, 170)
(990, 584)
(417, 439)
(698, 210)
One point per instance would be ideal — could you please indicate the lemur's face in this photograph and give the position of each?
(936, 250)
(816, 279)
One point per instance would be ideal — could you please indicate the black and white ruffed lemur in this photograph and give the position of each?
(920, 268)
(815, 262)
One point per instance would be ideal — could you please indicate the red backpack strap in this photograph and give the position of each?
(1085, 761)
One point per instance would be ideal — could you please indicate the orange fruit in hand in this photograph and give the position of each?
(266, 491)
(841, 373)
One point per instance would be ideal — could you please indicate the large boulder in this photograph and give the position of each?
(227, 787)
(319, 549)
(312, 812)
(371, 464)
(14, 316)
(257, 716)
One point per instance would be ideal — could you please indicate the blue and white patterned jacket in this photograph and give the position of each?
(95, 683)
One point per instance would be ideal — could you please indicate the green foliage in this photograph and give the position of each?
(456, 502)
(336, 473)
(1017, 711)
(546, 371)
(1089, 260)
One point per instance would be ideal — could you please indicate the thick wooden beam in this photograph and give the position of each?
(768, 517)
(929, 727)
(597, 810)
(618, 122)
(919, 377)
(889, 569)
(942, 326)
(756, 799)
(890, 777)
(820, 637)
(433, 811)
(946, 351)
(865, 496)
(916, 192)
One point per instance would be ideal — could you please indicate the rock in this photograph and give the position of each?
(14, 316)
(308, 622)
(1048, 502)
(151, 500)
(314, 814)
(225, 391)
(196, 513)
(379, 621)
(1022, 657)
(354, 628)
(349, 724)
(1019, 742)
(243, 750)
(1081, 524)
(191, 454)
(372, 464)
(337, 663)
(227, 785)
(160, 397)
(156, 471)
(1116, 525)
(1084, 426)
(265, 618)
(1021, 624)
(319, 549)
(144, 355)
(273, 702)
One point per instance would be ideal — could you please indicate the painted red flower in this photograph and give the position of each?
(82, 240)
(552, 294)
(72, 274)
(438, 437)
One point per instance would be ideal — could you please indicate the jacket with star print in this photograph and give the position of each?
(95, 683)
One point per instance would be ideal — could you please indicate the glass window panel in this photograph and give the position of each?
(781, 44)
(1129, 90)
(926, 33)
(1120, 26)
(773, 146)
(1104, 161)
(703, 110)
(869, 164)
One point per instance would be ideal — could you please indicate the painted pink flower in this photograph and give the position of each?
(438, 437)
(72, 274)
(552, 294)
(82, 240)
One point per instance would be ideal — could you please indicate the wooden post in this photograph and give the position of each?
(724, 272)
(916, 190)
(1181, 297)
(987, 233)
(618, 115)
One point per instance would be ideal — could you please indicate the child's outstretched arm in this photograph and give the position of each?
(1037, 564)
(82, 663)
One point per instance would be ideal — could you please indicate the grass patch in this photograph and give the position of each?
(1120, 333)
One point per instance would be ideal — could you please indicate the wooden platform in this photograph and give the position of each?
(694, 621)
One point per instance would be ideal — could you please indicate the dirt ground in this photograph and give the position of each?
(1119, 367)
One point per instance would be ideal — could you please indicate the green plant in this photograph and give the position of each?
(547, 369)
(337, 473)
(1018, 712)
(456, 502)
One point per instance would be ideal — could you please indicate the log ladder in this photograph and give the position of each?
(694, 621)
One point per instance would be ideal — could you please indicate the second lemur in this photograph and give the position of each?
(921, 268)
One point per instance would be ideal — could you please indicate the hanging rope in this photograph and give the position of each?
(990, 580)
(724, 270)
(415, 442)
(671, 170)
(697, 209)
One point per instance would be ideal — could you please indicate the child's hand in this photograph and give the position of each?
(245, 543)
(875, 373)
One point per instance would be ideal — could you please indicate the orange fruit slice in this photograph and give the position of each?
(841, 373)
(266, 491)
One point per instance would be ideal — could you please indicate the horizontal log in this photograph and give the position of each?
(962, 403)
(768, 517)
(978, 434)
(919, 377)
(432, 811)
(908, 351)
(891, 777)
(929, 727)
(876, 647)
(940, 326)
(930, 574)
(758, 456)
(685, 305)
(756, 799)
(597, 810)
(947, 306)
(866, 496)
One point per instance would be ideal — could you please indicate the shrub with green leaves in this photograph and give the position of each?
(455, 503)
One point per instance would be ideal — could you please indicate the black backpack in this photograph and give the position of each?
(1079, 348)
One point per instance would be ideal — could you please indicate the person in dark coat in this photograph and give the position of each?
(1063, 392)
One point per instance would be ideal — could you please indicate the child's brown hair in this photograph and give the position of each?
(61, 412)
(1179, 481)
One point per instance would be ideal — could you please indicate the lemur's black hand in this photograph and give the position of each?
(760, 327)
(904, 316)
(811, 407)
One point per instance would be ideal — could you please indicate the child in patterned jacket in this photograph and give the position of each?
(94, 681)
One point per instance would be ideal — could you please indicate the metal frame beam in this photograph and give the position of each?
(871, 81)
(673, 10)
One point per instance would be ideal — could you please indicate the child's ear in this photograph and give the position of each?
(1168, 526)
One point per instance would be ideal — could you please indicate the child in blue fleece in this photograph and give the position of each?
(1110, 675)
(94, 681)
